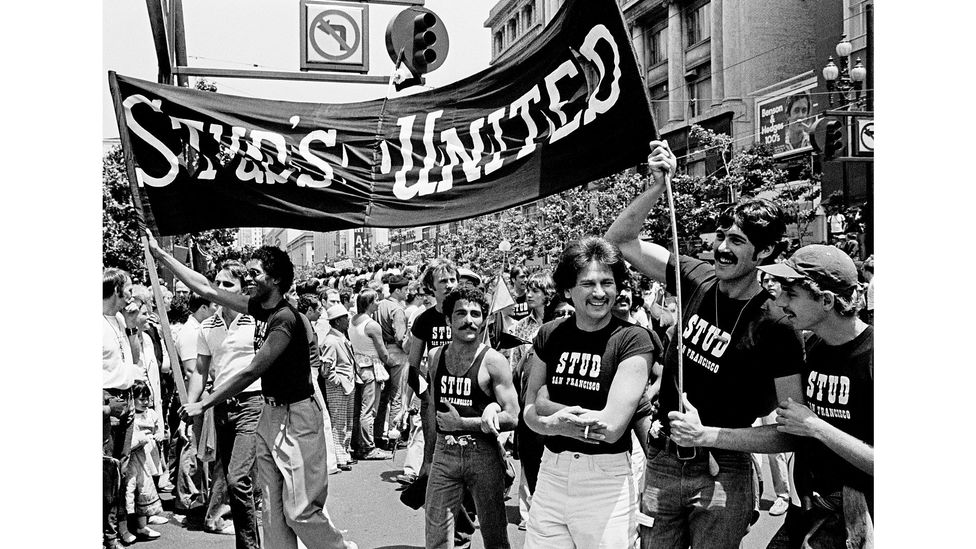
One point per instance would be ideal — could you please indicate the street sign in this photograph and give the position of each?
(334, 36)
(865, 136)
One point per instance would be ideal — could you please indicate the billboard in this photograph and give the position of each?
(785, 119)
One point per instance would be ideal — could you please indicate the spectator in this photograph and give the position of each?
(337, 377)
(373, 361)
(391, 317)
(867, 271)
(141, 500)
(120, 357)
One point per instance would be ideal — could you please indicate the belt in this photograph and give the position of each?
(122, 393)
(459, 440)
(665, 444)
(272, 401)
(240, 397)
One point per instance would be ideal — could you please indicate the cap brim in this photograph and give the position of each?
(781, 270)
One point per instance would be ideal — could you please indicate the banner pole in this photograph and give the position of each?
(174, 358)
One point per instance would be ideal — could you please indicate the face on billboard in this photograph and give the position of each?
(785, 120)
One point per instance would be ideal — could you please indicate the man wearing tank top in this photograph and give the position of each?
(474, 399)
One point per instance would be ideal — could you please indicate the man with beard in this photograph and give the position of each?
(291, 447)
(474, 399)
(740, 358)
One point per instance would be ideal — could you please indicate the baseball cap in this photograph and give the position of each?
(335, 312)
(397, 281)
(828, 266)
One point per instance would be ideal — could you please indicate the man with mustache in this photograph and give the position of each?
(473, 400)
(833, 427)
(740, 358)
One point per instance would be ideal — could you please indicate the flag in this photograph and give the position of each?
(502, 297)
(403, 77)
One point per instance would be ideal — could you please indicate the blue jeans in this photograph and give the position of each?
(116, 445)
(236, 424)
(691, 507)
(476, 464)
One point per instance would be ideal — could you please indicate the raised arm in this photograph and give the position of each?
(196, 281)
(650, 259)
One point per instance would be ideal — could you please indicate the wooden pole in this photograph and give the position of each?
(141, 217)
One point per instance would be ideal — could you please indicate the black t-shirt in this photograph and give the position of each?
(431, 328)
(289, 378)
(520, 310)
(581, 365)
(729, 365)
(838, 385)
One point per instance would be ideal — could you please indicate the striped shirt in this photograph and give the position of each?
(230, 348)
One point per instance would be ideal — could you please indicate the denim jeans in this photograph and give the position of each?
(583, 501)
(116, 445)
(389, 404)
(465, 517)
(690, 506)
(476, 464)
(236, 424)
(367, 400)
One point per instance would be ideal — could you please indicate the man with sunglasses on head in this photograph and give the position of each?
(290, 446)
(740, 357)
(225, 346)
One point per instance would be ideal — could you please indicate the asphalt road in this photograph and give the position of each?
(365, 504)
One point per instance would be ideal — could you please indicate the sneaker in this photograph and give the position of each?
(377, 454)
(780, 506)
(345, 467)
(406, 478)
(158, 519)
(521, 525)
(227, 530)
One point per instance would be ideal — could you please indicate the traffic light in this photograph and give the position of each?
(834, 141)
(418, 38)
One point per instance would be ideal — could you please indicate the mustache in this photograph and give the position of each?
(727, 255)
(468, 326)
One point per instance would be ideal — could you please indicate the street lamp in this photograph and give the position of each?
(843, 79)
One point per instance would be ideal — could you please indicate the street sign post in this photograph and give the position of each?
(334, 36)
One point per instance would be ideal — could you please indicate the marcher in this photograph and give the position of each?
(291, 441)
(740, 358)
(225, 347)
(585, 380)
(832, 426)
(474, 400)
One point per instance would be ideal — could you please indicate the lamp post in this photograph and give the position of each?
(504, 247)
(845, 80)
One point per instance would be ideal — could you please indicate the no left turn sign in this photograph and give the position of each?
(335, 36)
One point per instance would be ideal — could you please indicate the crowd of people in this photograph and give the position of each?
(624, 437)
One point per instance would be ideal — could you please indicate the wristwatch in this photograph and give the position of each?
(131, 332)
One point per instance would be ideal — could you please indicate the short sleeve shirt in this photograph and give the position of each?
(730, 364)
(230, 348)
(580, 367)
(289, 378)
(186, 340)
(431, 328)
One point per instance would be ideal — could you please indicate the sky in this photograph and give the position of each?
(242, 33)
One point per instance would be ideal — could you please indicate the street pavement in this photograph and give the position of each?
(364, 503)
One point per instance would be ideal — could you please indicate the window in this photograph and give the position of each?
(698, 23)
(699, 89)
(428, 233)
(659, 103)
(856, 23)
(528, 16)
(499, 42)
(511, 30)
(657, 46)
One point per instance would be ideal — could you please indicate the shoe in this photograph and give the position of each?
(345, 467)
(157, 519)
(126, 538)
(147, 534)
(353, 461)
(521, 525)
(111, 544)
(227, 530)
(351, 545)
(780, 506)
(376, 454)
(406, 478)
(165, 488)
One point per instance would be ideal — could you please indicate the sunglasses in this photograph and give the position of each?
(566, 312)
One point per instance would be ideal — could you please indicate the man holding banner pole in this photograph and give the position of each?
(291, 448)
(742, 359)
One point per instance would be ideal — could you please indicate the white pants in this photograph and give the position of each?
(583, 501)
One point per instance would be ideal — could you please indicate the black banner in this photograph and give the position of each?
(565, 110)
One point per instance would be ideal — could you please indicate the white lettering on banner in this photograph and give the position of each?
(130, 121)
(268, 157)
